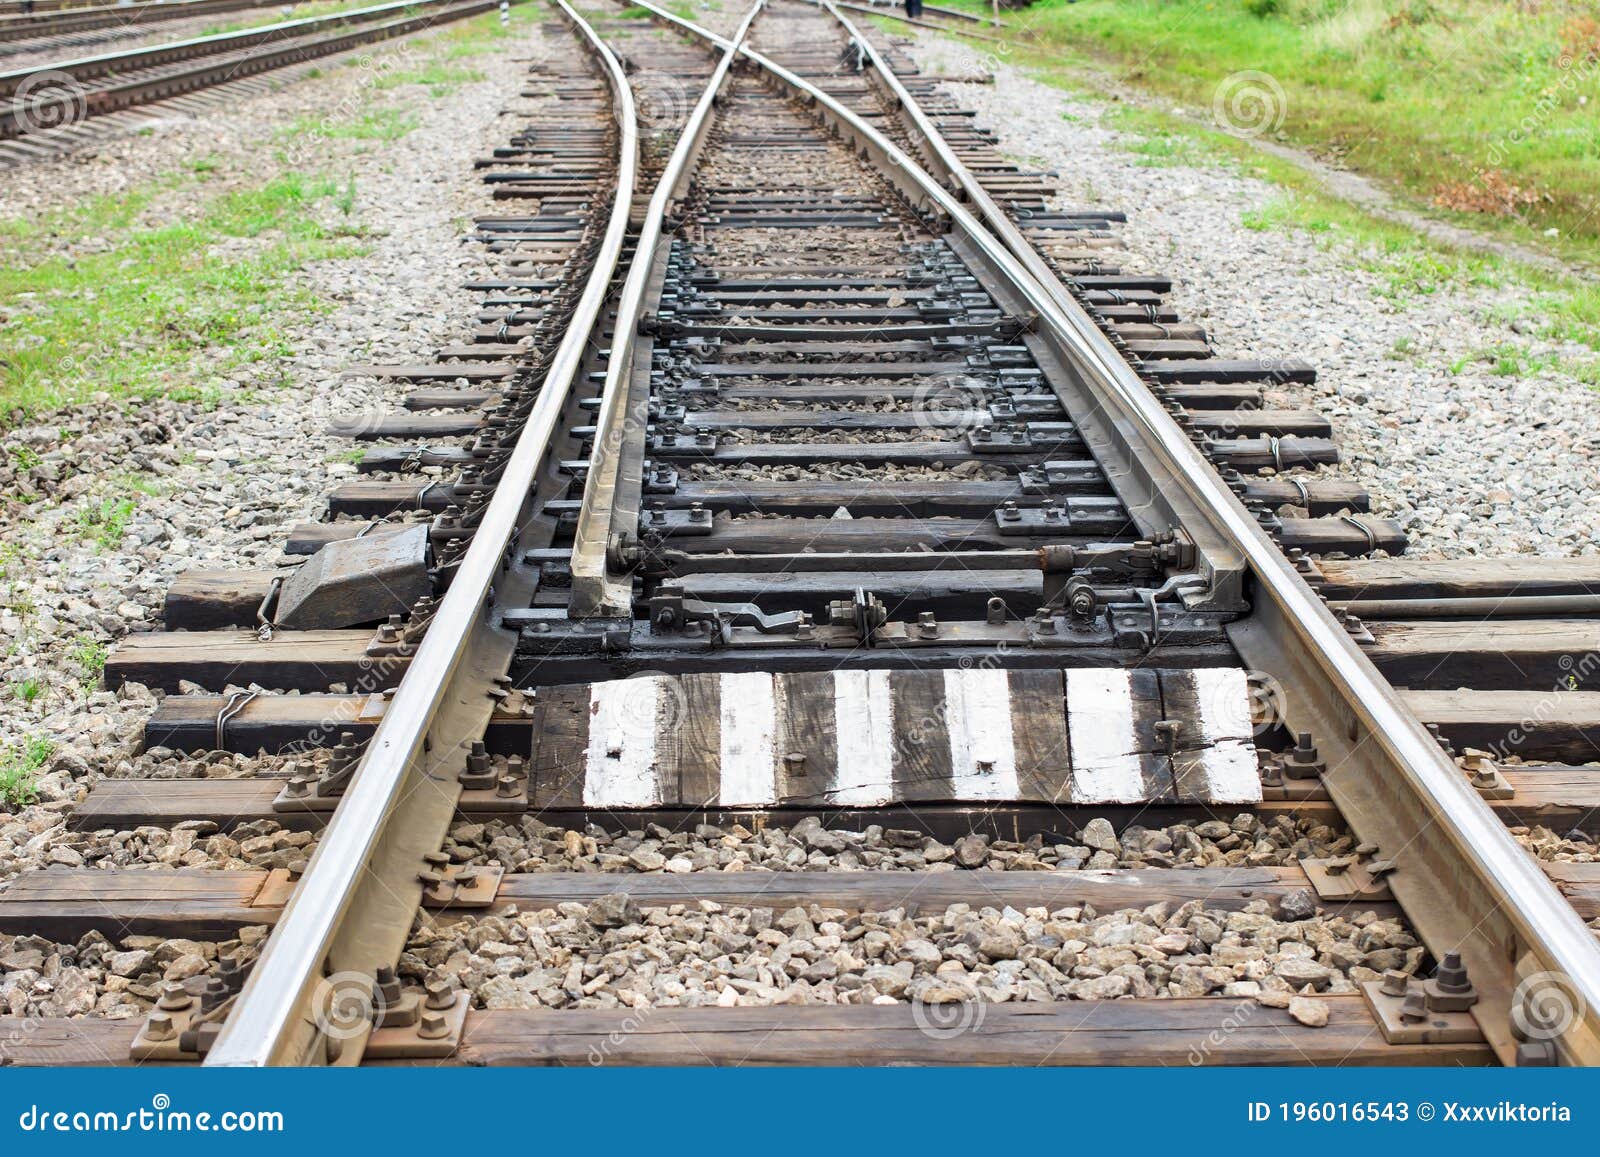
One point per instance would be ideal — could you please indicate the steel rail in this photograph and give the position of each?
(610, 491)
(112, 63)
(1396, 788)
(65, 22)
(891, 14)
(273, 1021)
(214, 68)
(1464, 883)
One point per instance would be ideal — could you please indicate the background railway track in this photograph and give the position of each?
(838, 458)
(50, 109)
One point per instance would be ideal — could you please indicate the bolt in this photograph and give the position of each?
(928, 625)
(1396, 982)
(433, 1026)
(174, 997)
(508, 786)
(1009, 511)
(1303, 762)
(996, 613)
(441, 995)
(1451, 989)
(795, 761)
(1414, 1008)
(159, 1026)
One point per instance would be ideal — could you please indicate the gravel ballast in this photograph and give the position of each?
(614, 953)
(1469, 461)
(225, 480)
(530, 845)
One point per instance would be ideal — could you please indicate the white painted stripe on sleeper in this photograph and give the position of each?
(1105, 767)
(983, 758)
(749, 736)
(863, 726)
(1232, 774)
(620, 762)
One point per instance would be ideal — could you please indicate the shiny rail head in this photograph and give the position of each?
(272, 1019)
(1393, 747)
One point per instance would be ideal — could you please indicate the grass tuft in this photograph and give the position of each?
(19, 771)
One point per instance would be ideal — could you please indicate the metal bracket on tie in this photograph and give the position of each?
(264, 624)
(1350, 879)
(1372, 539)
(235, 704)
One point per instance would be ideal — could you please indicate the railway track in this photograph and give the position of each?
(811, 494)
(47, 109)
(44, 30)
(52, 34)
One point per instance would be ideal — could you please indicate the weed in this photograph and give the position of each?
(90, 656)
(19, 771)
(106, 521)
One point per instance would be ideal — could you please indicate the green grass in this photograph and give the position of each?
(19, 771)
(1408, 263)
(90, 656)
(461, 41)
(106, 521)
(131, 312)
(441, 78)
(275, 16)
(385, 125)
(1482, 109)
(30, 689)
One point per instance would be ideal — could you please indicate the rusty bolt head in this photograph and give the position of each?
(441, 995)
(1414, 1008)
(1396, 982)
(160, 1026)
(433, 1025)
(174, 997)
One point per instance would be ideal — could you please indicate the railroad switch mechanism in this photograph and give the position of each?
(1433, 1011)
(356, 581)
